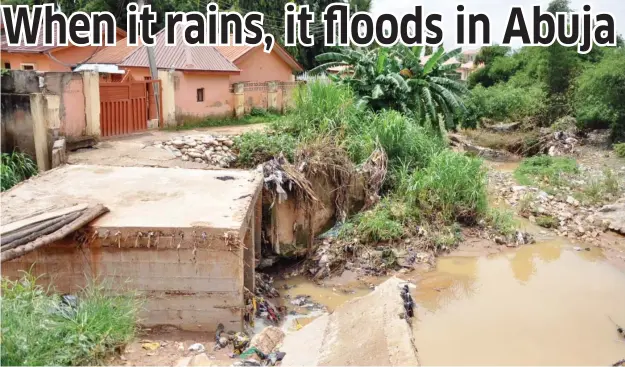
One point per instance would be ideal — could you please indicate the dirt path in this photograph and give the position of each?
(138, 150)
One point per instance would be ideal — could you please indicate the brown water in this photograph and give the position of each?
(542, 304)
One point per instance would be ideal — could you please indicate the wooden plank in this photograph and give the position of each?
(39, 218)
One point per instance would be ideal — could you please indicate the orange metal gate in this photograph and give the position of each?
(126, 107)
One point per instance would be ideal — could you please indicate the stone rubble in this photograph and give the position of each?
(215, 151)
(561, 212)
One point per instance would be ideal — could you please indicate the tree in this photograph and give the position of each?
(599, 97)
(395, 78)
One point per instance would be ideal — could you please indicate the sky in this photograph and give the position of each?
(498, 12)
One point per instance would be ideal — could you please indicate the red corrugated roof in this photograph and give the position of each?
(113, 54)
(181, 56)
(233, 53)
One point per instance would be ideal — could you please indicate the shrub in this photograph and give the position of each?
(38, 330)
(502, 221)
(545, 171)
(620, 149)
(385, 222)
(401, 137)
(258, 147)
(506, 102)
(600, 94)
(547, 221)
(15, 168)
(321, 108)
(452, 187)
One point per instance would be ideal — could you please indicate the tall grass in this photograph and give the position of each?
(37, 329)
(545, 171)
(451, 188)
(320, 108)
(15, 168)
(403, 139)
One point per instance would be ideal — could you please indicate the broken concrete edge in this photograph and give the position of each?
(325, 337)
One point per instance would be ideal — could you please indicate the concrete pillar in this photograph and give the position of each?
(168, 97)
(239, 100)
(272, 96)
(40, 130)
(91, 90)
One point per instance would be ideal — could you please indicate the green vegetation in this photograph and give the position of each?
(15, 168)
(502, 220)
(451, 188)
(39, 330)
(598, 189)
(259, 147)
(620, 149)
(383, 223)
(546, 172)
(426, 183)
(257, 116)
(600, 94)
(504, 101)
(394, 78)
(543, 84)
(547, 221)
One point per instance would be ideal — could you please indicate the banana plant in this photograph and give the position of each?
(397, 78)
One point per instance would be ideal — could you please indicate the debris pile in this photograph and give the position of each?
(561, 211)
(215, 151)
(557, 143)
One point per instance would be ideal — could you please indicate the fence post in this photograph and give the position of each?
(91, 89)
(239, 99)
(40, 131)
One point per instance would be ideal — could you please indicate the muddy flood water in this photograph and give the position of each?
(542, 304)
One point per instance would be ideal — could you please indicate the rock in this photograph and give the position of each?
(518, 188)
(178, 143)
(177, 153)
(200, 360)
(580, 230)
(194, 154)
(268, 339)
(532, 219)
(199, 160)
(197, 347)
(185, 157)
(191, 143)
(571, 200)
(228, 143)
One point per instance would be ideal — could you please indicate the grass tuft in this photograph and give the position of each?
(451, 188)
(15, 168)
(546, 172)
(38, 330)
(257, 147)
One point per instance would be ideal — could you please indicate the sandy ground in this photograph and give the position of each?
(173, 348)
(137, 150)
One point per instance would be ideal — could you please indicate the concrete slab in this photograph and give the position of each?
(138, 151)
(140, 197)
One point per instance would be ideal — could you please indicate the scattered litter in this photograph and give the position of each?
(577, 248)
(197, 347)
(240, 341)
(150, 345)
